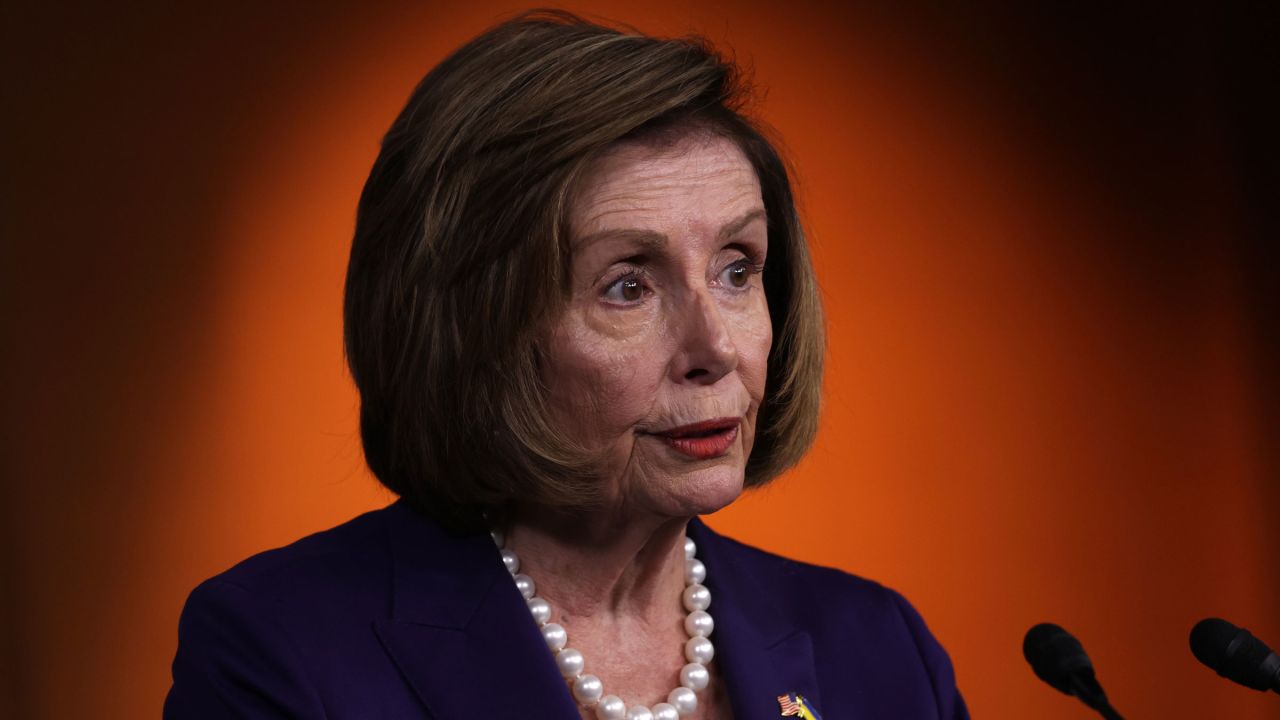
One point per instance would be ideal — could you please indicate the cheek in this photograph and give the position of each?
(753, 341)
(600, 385)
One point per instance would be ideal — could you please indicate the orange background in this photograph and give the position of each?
(1044, 260)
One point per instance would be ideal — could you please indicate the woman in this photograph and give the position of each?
(580, 313)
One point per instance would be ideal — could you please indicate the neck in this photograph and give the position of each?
(601, 565)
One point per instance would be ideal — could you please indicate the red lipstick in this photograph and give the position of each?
(703, 440)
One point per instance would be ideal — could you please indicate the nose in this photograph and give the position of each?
(706, 351)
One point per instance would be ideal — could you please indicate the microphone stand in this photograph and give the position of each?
(1091, 694)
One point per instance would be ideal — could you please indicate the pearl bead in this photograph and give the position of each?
(696, 597)
(665, 711)
(694, 572)
(611, 707)
(689, 549)
(699, 650)
(698, 624)
(555, 636)
(588, 689)
(540, 609)
(639, 712)
(511, 561)
(570, 662)
(684, 701)
(694, 676)
(524, 584)
(498, 538)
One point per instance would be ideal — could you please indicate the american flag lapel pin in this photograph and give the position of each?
(794, 705)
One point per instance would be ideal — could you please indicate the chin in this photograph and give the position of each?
(705, 491)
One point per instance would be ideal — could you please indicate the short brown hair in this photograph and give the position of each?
(460, 259)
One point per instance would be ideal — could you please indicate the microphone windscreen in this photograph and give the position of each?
(1055, 655)
(1233, 652)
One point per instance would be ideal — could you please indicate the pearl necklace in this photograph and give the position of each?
(587, 689)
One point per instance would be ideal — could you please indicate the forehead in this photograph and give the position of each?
(699, 179)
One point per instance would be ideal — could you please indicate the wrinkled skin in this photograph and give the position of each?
(667, 325)
(658, 333)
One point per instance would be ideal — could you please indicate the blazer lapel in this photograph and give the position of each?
(459, 630)
(760, 653)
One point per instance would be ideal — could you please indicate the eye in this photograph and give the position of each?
(626, 290)
(738, 275)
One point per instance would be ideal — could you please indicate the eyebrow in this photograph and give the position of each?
(656, 240)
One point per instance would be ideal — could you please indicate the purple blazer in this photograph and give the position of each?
(390, 616)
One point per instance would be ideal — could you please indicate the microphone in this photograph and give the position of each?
(1235, 654)
(1059, 659)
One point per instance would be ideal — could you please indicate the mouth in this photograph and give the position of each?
(704, 440)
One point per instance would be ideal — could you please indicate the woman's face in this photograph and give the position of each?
(667, 326)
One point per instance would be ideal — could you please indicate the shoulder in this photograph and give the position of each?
(328, 578)
(328, 558)
(814, 591)
(253, 640)
(863, 633)
(318, 587)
